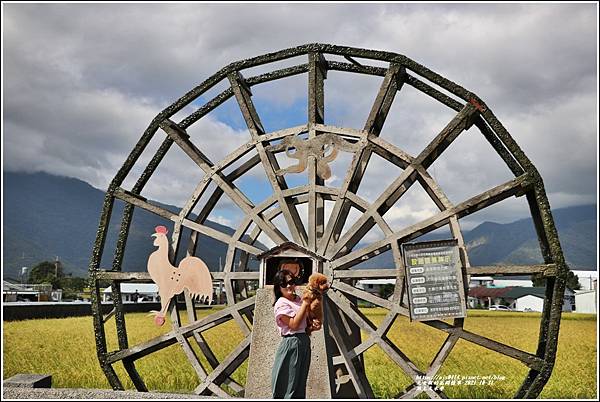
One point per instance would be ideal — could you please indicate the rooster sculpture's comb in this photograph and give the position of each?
(161, 230)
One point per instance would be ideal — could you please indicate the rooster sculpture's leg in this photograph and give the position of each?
(159, 316)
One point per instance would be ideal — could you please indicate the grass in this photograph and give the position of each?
(66, 349)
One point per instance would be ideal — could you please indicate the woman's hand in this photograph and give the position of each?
(316, 325)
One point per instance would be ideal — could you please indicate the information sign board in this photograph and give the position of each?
(435, 282)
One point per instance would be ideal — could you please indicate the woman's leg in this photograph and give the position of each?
(303, 366)
(284, 376)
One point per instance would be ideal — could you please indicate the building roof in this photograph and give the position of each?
(289, 245)
(520, 291)
(27, 288)
(482, 291)
(9, 286)
(583, 292)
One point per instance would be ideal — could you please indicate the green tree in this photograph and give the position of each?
(386, 290)
(47, 272)
(72, 286)
(572, 280)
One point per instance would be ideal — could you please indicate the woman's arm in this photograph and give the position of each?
(294, 322)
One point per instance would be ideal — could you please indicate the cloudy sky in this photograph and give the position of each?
(81, 82)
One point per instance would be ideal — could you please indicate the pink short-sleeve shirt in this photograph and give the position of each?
(283, 307)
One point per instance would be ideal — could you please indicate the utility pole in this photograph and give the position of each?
(56, 262)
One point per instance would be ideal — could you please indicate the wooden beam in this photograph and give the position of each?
(270, 164)
(140, 202)
(227, 366)
(191, 356)
(433, 189)
(361, 294)
(365, 273)
(362, 390)
(394, 191)
(390, 152)
(544, 269)
(461, 122)
(145, 276)
(317, 73)
(239, 276)
(526, 358)
(182, 139)
(279, 134)
(348, 67)
(342, 131)
(123, 276)
(160, 342)
(465, 208)
(358, 167)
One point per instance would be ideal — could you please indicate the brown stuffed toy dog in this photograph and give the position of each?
(317, 285)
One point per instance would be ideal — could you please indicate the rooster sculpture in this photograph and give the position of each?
(192, 274)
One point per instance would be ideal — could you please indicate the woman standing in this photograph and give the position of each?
(292, 359)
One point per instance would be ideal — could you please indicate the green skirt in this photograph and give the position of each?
(290, 370)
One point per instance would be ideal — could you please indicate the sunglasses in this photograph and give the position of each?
(294, 281)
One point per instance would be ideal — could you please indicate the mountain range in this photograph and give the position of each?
(47, 216)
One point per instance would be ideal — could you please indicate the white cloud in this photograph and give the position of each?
(82, 82)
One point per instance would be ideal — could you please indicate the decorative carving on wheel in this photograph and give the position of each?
(324, 148)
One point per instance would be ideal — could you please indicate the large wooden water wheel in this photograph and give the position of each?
(323, 236)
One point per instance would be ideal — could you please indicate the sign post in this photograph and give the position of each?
(434, 278)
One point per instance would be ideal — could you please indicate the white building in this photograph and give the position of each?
(374, 286)
(12, 292)
(528, 303)
(586, 301)
(148, 292)
(502, 283)
(519, 298)
(480, 281)
(587, 279)
(532, 299)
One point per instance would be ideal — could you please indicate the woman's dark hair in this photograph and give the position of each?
(278, 280)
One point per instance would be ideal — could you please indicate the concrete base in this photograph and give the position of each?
(29, 381)
(83, 394)
(265, 340)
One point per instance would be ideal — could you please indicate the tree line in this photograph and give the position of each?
(51, 272)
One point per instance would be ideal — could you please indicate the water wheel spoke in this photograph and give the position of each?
(162, 341)
(182, 139)
(395, 190)
(468, 207)
(371, 298)
(363, 390)
(227, 366)
(213, 361)
(526, 358)
(242, 93)
(392, 82)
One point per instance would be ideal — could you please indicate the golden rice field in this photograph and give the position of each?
(65, 348)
